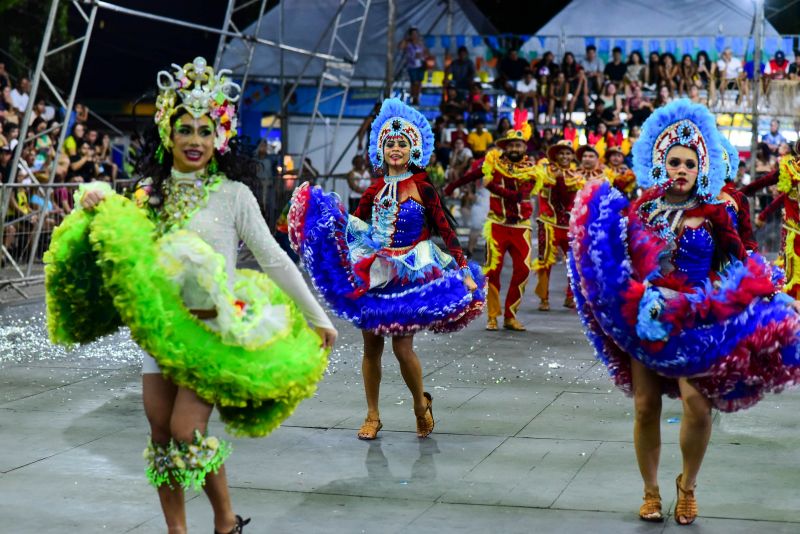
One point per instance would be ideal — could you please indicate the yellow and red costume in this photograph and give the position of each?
(789, 199)
(556, 187)
(508, 226)
(621, 177)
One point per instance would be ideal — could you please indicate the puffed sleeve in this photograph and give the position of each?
(253, 230)
(745, 224)
(434, 212)
(725, 235)
(364, 209)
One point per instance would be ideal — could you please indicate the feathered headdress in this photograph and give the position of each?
(683, 123)
(521, 130)
(398, 119)
(731, 158)
(202, 92)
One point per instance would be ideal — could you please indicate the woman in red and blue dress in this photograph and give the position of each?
(671, 300)
(379, 268)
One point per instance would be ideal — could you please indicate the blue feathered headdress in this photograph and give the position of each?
(731, 158)
(396, 118)
(684, 123)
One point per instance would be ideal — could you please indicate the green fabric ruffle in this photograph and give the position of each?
(103, 271)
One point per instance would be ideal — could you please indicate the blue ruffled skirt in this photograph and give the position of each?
(736, 338)
(383, 290)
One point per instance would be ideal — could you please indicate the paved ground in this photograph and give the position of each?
(530, 437)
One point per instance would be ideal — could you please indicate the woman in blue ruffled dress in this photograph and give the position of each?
(379, 268)
(671, 300)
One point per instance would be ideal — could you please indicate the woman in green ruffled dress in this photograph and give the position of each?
(164, 264)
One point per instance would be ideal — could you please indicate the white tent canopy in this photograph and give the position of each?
(306, 20)
(645, 20)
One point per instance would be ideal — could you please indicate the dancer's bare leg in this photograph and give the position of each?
(371, 371)
(647, 423)
(159, 395)
(191, 413)
(410, 368)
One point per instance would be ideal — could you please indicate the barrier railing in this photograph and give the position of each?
(34, 211)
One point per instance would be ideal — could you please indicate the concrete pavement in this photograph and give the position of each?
(530, 437)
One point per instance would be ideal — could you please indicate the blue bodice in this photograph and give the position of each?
(695, 254)
(397, 225)
(733, 215)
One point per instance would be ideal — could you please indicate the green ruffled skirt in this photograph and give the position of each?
(256, 362)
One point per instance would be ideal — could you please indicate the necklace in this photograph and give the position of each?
(398, 177)
(184, 195)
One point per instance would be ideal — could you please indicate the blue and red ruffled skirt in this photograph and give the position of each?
(387, 291)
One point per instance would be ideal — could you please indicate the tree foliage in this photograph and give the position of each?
(22, 24)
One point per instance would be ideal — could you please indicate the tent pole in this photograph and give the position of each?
(390, 50)
(225, 25)
(280, 183)
(758, 37)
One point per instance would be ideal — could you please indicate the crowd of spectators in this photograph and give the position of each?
(612, 99)
(85, 157)
(629, 87)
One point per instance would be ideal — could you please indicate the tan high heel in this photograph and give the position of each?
(425, 422)
(687, 505)
(651, 509)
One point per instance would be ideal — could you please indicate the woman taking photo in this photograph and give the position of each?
(379, 268)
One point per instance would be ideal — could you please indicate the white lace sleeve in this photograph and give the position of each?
(272, 259)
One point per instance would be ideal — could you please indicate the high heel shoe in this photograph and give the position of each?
(240, 523)
(425, 422)
(686, 506)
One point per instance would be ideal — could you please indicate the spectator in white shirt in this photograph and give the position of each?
(526, 91)
(20, 96)
(593, 68)
(731, 72)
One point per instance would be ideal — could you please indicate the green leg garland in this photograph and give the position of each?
(188, 464)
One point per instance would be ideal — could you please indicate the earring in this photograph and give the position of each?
(160, 154)
(212, 166)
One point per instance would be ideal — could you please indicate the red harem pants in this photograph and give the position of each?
(551, 239)
(517, 242)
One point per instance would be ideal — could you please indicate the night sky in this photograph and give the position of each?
(126, 52)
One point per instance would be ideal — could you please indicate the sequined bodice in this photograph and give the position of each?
(396, 224)
(695, 254)
(733, 215)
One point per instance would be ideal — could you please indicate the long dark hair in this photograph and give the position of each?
(236, 164)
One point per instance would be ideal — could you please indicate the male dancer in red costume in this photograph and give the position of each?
(554, 173)
(510, 178)
(619, 174)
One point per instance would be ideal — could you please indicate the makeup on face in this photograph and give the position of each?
(396, 152)
(682, 168)
(194, 142)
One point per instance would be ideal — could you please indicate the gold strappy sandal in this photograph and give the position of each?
(369, 430)
(425, 422)
(687, 505)
(651, 509)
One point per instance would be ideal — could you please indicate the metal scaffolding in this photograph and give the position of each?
(338, 74)
(342, 53)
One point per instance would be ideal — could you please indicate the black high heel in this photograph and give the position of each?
(239, 528)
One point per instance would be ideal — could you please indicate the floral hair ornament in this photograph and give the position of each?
(730, 157)
(201, 92)
(397, 119)
(680, 123)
